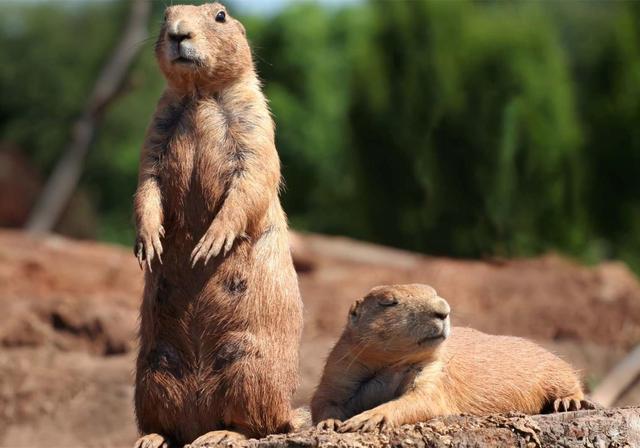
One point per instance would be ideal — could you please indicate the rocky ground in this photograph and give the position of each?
(69, 313)
(585, 429)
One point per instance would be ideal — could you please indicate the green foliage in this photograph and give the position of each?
(49, 57)
(469, 123)
(606, 68)
(307, 94)
(460, 128)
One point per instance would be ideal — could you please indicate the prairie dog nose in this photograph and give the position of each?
(441, 309)
(179, 31)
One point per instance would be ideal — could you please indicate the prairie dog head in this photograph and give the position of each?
(399, 322)
(202, 46)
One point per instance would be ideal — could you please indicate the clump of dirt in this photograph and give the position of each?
(70, 308)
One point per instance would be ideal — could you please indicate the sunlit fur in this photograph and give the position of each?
(218, 342)
(468, 372)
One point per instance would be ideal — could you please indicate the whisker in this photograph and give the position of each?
(343, 357)
(364, 346)
(142, 43)
(256, 55)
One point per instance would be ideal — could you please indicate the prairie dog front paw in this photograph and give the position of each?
(148, 244)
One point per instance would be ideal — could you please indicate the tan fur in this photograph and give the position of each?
(219, 339)
(379, 375)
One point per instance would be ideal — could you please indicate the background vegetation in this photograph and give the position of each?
(459, 128)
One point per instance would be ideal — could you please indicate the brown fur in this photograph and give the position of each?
(219, 339)
(378, 374)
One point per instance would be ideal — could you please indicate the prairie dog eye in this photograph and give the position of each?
(388, 301)
(221, 17)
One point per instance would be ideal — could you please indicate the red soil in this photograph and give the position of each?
(67, 330)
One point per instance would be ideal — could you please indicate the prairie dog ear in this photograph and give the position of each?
(354, 311)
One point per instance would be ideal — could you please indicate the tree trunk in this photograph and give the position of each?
(64, 179)
(598, 429)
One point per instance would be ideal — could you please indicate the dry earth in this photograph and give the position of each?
(67, 330)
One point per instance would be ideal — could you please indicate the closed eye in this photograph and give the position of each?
(441, 316)
(388, 301)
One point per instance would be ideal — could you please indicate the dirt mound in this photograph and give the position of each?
(67, 331)
(68, 399)
(68, 294)
(543, 298)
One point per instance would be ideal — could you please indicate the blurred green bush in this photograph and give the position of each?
(456, 128)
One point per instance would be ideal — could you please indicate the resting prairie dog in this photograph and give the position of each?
(398, 362)
(221, 316)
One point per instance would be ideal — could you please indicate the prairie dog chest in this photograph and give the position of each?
(197, 150)
(399, 380)
(384, 386)
(195, 135)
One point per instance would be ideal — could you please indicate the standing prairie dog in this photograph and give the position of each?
(398, 362)
(221, 316)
